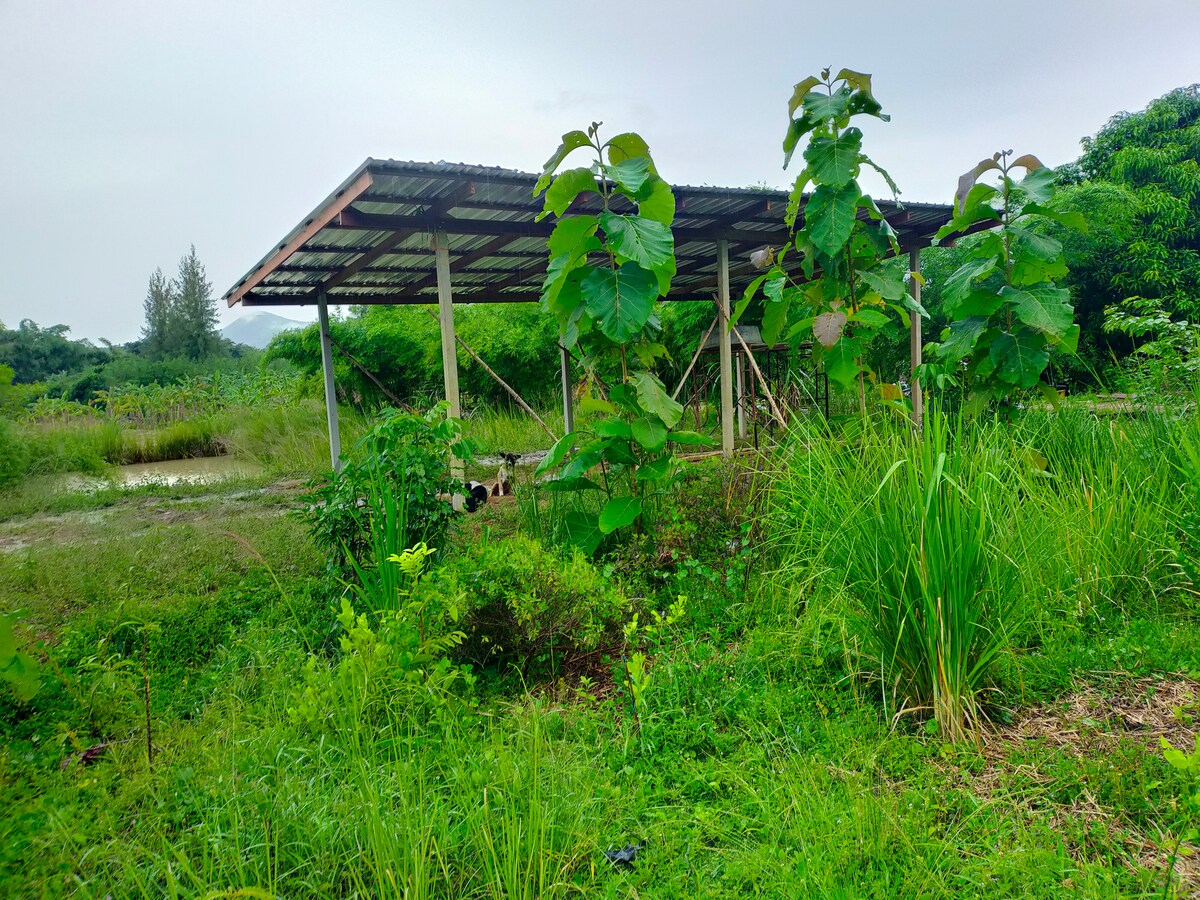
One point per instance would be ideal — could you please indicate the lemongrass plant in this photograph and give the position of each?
(914, 528)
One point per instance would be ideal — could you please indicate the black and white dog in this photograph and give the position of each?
(477, 492)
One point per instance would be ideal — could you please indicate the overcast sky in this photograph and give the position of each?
(134, 129)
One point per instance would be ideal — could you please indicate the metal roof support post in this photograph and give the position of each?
(741, 395)
(914, 340)
(568, 391)
(726, 355)
(331, 410)
(441, 252)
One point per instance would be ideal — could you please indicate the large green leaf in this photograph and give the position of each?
(889, 284)
(834, 161)
(646, 242)
(628, 146)
(871, 316)
(650, 433)
(582, 530)
(829, 216)
(961, 337)
(569, 485)
(822, 106)
(619, 512)
(560, 288)
(1043, 308)
(1064, 217)
(657, 469)
(1038, 185)
(566, 187)
(621, 302)
(691, 438)
(659, 203)
(614, 427)
(1019, 359)
(570, 235)
(630, 174)
(774, 320)
(800, 91)
(589, 455)
(747, 296)
(961, 283)
(1039, 246)
(560, 449)
(572, 140)
(841, 362)
(654, 399)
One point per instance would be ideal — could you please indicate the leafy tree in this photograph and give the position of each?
(604, 275)
(1138, 184)
(1005, 307)
(35, 353)
(840, 297)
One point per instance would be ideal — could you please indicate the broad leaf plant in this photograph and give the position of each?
(1006, 309)
(841, 293)
(606, 270)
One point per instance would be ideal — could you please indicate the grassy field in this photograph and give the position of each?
(763, 756)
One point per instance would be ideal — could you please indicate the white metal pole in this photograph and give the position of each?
(568, 392)
(726, 355)
(441, 252)
(914, 341)
(741, 395)
(331, 410)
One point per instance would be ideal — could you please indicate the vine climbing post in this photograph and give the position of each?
(331, 411)
(726, 355)
(914, 340)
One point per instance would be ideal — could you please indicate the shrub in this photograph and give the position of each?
(531, 607)
(14, 453)
(391, 489)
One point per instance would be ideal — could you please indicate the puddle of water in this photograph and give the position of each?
(205, 470)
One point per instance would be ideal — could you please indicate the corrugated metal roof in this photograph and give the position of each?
(370, 240)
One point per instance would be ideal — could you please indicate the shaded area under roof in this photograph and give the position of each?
(370, 241)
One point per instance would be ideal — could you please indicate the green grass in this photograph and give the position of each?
(766, 763)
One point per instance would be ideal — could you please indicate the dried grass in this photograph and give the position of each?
(1090, 723)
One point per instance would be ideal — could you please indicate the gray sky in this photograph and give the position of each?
(133, 129)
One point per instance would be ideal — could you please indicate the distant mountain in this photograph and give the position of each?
(257, 328)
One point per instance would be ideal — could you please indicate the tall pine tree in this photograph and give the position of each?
(181, 314)
(196, 309)
(159, 307)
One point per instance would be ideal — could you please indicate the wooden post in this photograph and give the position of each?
(741, 395)
(914, 341)
(331, 410)
(441, 252)
(568, 391)
(726, 356)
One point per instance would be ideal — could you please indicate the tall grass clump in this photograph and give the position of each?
(914, 528)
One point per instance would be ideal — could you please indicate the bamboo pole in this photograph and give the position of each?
(695, 356)
(331, 410)
(504, 384)
(766, 388)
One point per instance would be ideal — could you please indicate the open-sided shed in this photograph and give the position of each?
(423, 233)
